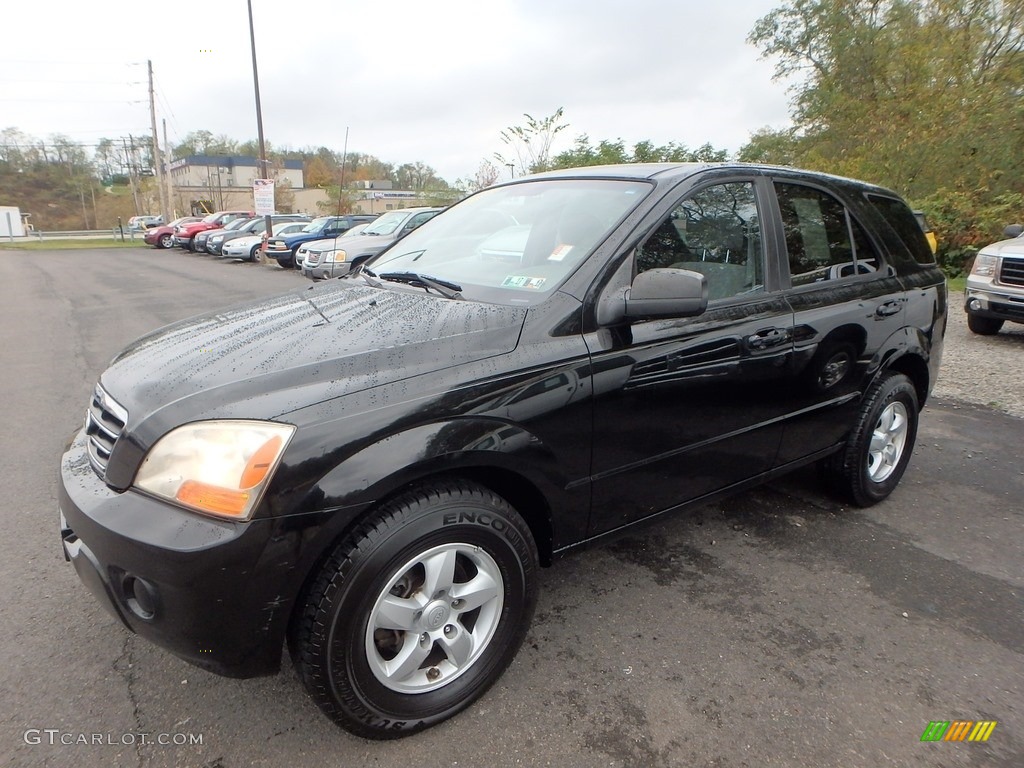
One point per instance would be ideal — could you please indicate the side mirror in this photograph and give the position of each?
(665, 293)
(1012, 231)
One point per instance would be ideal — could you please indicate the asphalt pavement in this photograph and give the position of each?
(776, 628)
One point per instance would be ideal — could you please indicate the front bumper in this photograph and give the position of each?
(990, 300)
(235, 251)
(199, 587)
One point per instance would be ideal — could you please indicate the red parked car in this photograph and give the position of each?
(184, 234)
(163, 236)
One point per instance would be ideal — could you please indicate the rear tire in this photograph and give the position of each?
(418, 611)
(984, 326)
(879, 447)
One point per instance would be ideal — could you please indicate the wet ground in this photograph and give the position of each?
(776, 628)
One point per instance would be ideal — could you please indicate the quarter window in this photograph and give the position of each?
(822, 240)
(716, 232)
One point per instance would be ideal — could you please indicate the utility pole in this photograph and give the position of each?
(259, 118)
(131, 172)
(344, 158)
(156, 147)
(167, 176)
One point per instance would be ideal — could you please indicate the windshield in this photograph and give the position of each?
(387, 223)
(237, 223)
(514, 244)
(316, 224)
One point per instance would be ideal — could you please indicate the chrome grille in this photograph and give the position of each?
(1011, 272)
(312, 258)
(104, 422)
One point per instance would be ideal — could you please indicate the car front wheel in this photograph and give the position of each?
(165, 241)
(878, 449)
(418, 611)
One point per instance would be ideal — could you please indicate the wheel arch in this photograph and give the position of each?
(908, 352)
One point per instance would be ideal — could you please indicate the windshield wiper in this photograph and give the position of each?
(443, 287)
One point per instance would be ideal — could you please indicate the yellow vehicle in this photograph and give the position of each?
(933, 241)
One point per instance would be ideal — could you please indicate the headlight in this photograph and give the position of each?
(334, 257)
(219, 468)
(216, 238)
(984, 265)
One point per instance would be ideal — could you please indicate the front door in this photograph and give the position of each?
(690, 406)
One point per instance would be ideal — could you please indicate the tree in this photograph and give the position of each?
(913, 94)
(612, 152)
(531, 143)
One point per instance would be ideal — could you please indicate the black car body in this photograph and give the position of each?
(479, 399)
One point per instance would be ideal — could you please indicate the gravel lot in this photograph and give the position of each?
(986, 370)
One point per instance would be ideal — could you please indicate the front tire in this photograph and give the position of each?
(984, 326)
(418, 611)
(165, 241)
(879, 447)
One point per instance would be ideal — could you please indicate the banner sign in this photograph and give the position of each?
(263, 196)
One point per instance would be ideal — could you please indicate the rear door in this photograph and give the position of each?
(846, 301)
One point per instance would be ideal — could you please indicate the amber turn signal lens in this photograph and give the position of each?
(221, 501)
(260, 462)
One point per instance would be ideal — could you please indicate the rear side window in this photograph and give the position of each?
(905, 225)
(822, 240)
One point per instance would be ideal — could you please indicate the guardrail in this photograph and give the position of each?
(115, 233)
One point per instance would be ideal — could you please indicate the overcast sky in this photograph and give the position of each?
(434, 82)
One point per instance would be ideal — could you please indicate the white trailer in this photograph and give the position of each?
(10, 222)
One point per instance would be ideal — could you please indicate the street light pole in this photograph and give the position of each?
(264, 168)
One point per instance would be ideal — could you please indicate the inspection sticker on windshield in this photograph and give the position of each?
(560, 252)
(521, 281)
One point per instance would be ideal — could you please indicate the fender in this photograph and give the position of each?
(910, 351)
(388, 464)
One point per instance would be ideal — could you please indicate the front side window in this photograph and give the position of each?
(823, 241)
(716, 232)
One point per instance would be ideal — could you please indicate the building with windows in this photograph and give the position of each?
(226, 171)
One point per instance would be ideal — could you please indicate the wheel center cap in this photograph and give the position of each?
(436, 614)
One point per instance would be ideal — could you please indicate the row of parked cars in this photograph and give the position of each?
(322, 247)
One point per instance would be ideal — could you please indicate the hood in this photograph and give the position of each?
(362, 244)
(267, 358)
(1013, 247)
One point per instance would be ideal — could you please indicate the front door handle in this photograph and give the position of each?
(769, 337)
(888, 308)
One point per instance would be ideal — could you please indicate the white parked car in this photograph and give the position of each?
(247, 247)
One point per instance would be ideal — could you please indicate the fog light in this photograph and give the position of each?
(139, 596)
(974, 304)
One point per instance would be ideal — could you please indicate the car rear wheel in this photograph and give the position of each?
(879, 447)
(165, 241)
(984, 326)
(418, 611)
